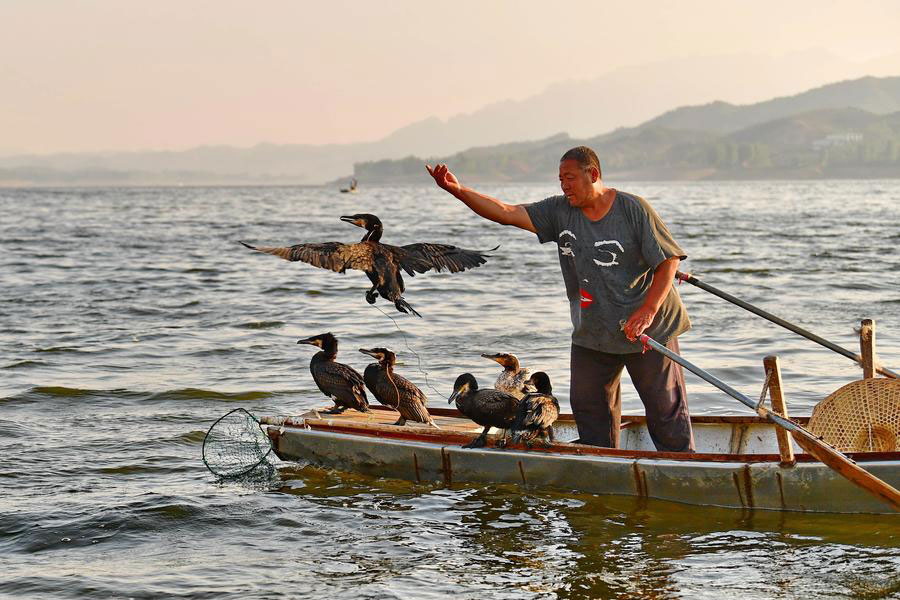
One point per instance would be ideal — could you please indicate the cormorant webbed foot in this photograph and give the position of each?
(404, 307)
(480, 441)
(476, 443)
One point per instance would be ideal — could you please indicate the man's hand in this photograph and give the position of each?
(639, 321)
(482, 205)
(643, 317)
(444, 178)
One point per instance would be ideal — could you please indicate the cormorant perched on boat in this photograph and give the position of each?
(537, 412)
(393, 390)
(513, 377)
(337, 381)
(381, 262)
(489, 408)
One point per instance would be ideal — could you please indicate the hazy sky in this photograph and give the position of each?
(161, 74)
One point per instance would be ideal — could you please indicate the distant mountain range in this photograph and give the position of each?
(838, 130)
(845, 129)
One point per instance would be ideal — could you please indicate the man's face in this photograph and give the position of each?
(576, 183)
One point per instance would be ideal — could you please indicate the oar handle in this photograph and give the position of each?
(779, 321)
(826, 453)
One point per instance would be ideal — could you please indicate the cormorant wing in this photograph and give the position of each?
(422, 257)
(409, 388)
(538, 410)
(333, 377)
(406, 398)
(327, 255)
(497, 404)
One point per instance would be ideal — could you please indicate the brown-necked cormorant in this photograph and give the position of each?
(339, 382)
(537, 412)
(513, 377)
(393, 390)
(489, 408)
(381, 262)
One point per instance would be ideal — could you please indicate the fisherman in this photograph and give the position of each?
(618, 262)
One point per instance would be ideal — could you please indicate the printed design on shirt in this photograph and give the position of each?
(602, 251)
(586, 298)
(565, 246)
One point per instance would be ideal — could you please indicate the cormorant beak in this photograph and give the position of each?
(369, 352)
(352, 221)
(456, 393)
(493, 357)
(310, 341)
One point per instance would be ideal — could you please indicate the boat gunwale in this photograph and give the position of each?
(626, 419)
(396, 432)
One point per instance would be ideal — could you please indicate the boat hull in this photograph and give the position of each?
(743, 481)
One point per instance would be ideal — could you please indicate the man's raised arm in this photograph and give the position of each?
(484, 206)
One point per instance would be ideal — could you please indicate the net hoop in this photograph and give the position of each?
(235, 438)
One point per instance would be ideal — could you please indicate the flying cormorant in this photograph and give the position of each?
(537, 412)
(381, 262)
(489, 408)
(393, 390)
(513, 377)
(339, 382)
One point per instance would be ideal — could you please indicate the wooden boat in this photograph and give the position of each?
(738, 463)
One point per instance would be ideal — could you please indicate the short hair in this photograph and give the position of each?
(584, 156)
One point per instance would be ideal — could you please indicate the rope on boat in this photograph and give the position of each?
(761, 405)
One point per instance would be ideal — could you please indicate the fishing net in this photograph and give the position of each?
(862, 416)
(235, 444)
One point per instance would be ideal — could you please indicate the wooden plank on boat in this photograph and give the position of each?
(773, 376)
(867, 347)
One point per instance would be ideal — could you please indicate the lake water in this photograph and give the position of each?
(130, 319)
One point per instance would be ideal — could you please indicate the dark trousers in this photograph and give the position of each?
(596, 397)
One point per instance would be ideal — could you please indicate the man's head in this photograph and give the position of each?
(579, 173)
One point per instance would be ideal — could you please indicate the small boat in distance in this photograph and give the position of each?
(352, 188)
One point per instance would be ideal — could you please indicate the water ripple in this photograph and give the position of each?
(100, 436)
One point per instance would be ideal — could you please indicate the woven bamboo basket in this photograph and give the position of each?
(862, 416)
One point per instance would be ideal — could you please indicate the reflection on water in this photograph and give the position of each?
(576, 545)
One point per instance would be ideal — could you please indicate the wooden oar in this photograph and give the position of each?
(806, 439)
(779, 321)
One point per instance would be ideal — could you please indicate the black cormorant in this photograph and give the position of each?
(381, 262)
(537, 412)
(393, 390)
(513, 377)
(339, 382)
(489, 408)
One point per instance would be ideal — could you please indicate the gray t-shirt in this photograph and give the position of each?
(608, 265)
